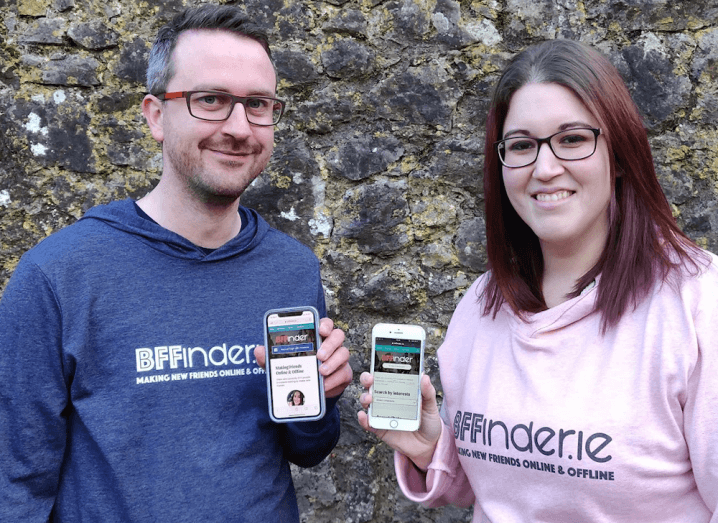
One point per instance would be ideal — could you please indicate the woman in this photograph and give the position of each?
(295, 398)
(580, 373)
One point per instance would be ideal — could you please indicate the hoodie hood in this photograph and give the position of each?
(122, 215)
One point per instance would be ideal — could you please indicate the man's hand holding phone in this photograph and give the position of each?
(333, 355)
(419, 445)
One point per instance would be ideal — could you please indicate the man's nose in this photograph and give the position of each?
(237, 123)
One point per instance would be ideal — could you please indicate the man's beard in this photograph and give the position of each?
(202, 182)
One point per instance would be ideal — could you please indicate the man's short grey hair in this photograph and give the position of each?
(160, 68)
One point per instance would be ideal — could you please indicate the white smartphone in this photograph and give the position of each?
(295, 388)
(397, 363)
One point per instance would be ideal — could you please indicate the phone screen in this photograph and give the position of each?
(397, 364)
(294, 383)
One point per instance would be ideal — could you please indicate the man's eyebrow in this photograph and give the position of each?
(260, 93)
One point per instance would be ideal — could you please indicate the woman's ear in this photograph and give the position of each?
(153, 111)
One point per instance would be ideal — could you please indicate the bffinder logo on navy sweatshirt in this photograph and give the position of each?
(566, 444)
(234, 360)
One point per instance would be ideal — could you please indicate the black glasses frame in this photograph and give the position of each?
(235, 100)
(500, 146)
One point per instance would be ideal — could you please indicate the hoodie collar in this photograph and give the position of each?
(121, 215)
(558, 317)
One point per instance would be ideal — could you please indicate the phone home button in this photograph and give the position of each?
(393, 424)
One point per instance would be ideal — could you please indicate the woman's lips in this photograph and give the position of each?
(553, 196)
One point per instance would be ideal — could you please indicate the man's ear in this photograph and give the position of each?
(153, 110)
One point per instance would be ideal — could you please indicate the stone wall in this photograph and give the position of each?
(378, 161)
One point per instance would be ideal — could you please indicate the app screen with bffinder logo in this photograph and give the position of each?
(293, 365)
(396, 378)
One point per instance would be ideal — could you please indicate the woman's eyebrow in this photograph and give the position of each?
(562, 127)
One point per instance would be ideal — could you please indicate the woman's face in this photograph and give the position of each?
(564, 202)
(297, 398)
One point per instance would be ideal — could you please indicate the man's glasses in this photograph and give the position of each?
(573, 144)
(216, 106)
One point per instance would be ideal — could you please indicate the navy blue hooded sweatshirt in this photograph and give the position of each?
(129, 391)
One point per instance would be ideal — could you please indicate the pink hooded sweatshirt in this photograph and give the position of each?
(550, 421)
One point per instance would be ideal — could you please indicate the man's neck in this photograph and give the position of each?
(208, 225)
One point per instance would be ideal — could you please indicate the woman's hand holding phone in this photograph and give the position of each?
(419, 445)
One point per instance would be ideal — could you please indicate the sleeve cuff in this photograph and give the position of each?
(423, 487)
(315, 427)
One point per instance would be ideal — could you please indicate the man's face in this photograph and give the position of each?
(216, 161)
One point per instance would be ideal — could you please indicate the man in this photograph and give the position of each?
(131, 384)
